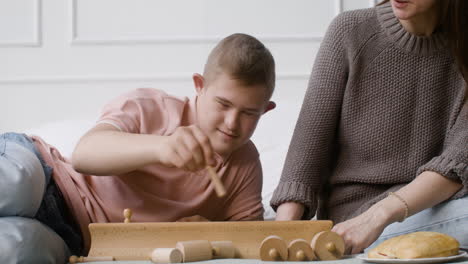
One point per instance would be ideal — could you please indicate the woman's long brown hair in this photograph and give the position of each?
(454, 23)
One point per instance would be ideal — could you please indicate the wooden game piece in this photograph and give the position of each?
(300, 250)
(195, 250)
(166, 255)
(273, 248)
(218, 185)
(223, 249)
(328, 245)
(74, 259)
(127, 214)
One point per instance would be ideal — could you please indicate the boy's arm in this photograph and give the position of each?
(105, 150)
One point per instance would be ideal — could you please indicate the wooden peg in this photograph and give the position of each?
(273, 248)
(300, 250)
(127, 214)
(74, 259)
(328, 245)
(166, 255)
(195, 250)
(223, 249)
(218, 185)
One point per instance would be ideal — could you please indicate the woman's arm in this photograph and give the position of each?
(289, 211)
(312, 142)
(425, 191)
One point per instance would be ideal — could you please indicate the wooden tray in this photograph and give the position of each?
(136, 241)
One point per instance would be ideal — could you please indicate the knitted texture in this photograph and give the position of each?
(381, 104)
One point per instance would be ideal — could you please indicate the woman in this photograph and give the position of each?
(383, 130)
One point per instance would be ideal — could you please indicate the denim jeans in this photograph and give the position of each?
(450, 217)
(35, 225)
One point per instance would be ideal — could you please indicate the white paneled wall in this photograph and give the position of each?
(63, 59)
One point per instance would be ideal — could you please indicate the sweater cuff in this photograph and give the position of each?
(450, 169)
(295, 192)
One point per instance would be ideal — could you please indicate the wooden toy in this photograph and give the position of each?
(127, 214)
(218, 185)
(223, 249)
(195, 250)
(300, 250)
(136, 241)
(328, 245)
(166, 255)
(74, 259)
(273, 248)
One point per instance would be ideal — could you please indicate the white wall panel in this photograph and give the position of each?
(92, 50)
(130, 21)
(20, 23)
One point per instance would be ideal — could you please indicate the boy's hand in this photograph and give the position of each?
(187, 148)
(194, 218)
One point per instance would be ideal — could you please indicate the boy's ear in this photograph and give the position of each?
(198, 82)
(271, 105)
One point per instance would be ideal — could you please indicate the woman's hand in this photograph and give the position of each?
(360, 232)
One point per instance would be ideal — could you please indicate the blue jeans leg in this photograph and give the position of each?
(23, 181)
(22, 177)
(26, 241)
(450, 217)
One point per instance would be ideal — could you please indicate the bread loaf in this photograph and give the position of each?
(416, 245)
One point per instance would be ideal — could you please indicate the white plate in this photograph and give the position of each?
(364, 257)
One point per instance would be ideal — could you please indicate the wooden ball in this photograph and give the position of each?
(195, 250)
(127, 215)
(328, 245)
(300, 250)
(223, 249)
(273, 248)
(166, 255)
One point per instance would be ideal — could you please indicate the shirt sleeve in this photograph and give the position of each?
(135, 111)
(245, 204)
(452, 163)
(310, 149)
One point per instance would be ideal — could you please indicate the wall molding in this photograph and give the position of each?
(75, 39)
(37, 39)
(338, 6)
(175, 77)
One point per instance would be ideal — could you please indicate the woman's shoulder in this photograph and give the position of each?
(350, 21)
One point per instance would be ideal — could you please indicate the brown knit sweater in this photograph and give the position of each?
(382, 106)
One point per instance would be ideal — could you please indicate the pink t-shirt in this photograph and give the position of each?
(156, 193)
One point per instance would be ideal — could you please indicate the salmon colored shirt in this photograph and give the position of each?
(156, 193)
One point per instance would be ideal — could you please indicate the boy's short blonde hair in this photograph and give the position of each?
(244, 58)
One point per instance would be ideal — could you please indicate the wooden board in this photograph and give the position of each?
(136, 241)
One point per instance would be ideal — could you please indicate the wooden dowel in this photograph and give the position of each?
(218, 185)
(74, 259)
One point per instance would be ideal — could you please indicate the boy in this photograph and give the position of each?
(156, 147)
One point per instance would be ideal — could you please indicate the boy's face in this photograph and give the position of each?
(228, 111)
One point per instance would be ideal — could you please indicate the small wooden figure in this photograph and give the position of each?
(300, 250)
(195, 250)
(218, 185)
(328, 245)
(127, 214)
(223, 249)
(166, 255)
(74, 259)
(273, 248)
